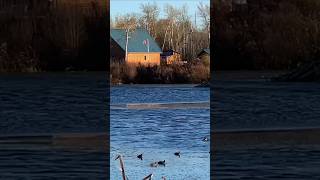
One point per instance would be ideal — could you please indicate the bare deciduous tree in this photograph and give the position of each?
(204, 12)
(129, 23)
(150, 13)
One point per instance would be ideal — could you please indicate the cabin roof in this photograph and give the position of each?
(135, 43)
(205, 51)
(169, 52)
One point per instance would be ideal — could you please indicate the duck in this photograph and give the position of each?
(163, 163)
(177, 154)
(139, 156)
(205, 139)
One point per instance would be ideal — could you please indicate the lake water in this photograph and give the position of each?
(258, 127)
(34, 107)
(158, 133)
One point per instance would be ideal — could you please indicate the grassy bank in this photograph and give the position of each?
(166, 74)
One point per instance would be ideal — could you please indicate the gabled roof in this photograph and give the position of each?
(169, 52)
(135, 43)
(206, 50)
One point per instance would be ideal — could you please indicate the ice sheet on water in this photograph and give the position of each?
(172, 105)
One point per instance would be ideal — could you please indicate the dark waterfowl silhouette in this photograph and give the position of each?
(162, 163)
(205, 139)
(139, 156)
(177, 154)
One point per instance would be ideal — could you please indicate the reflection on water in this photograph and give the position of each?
(51, 164)
(255, 104)
(52, 102)
(160, 132)
(43, 104)
(273, 115)
(274, 162)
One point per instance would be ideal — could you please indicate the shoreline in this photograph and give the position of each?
(56, 141)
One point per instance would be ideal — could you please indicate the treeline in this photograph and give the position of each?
(51, 36)
(176, 30)
(265, 34)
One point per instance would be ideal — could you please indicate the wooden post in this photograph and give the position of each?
(127, 40)
(122, 167)
(148, 177)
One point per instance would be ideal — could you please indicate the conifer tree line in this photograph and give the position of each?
(177, 30)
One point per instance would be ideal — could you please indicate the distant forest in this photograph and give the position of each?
(265, 34)
(54, 35)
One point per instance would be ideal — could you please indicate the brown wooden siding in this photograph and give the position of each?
(144, 58)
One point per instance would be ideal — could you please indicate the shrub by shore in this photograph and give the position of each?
(196, 72)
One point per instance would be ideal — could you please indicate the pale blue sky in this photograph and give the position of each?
(118, 7)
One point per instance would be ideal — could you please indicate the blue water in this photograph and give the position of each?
(244, 101)
(51, 103)
(159, 133)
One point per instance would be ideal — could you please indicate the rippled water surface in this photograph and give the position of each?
(242, 101)
(159, 133)
(47, 103)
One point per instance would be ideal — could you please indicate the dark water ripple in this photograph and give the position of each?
(251, 104)
(52, 102)
(288, 163)
(38, 164)
(259, 104)
(46, 103)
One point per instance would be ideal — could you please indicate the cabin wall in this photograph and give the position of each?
(144, 58)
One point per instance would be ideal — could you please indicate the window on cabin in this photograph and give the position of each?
(145, 58)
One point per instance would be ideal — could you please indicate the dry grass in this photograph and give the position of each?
(166, 74)
(24, 60)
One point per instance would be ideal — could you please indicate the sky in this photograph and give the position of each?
(118, 7)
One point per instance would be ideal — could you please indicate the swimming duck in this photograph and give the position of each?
(163, 163)
(139, 156)
(205, 139)
(177, 154)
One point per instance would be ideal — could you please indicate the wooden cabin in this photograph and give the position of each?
(138, 52)
(204, 55)
(170, 57)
